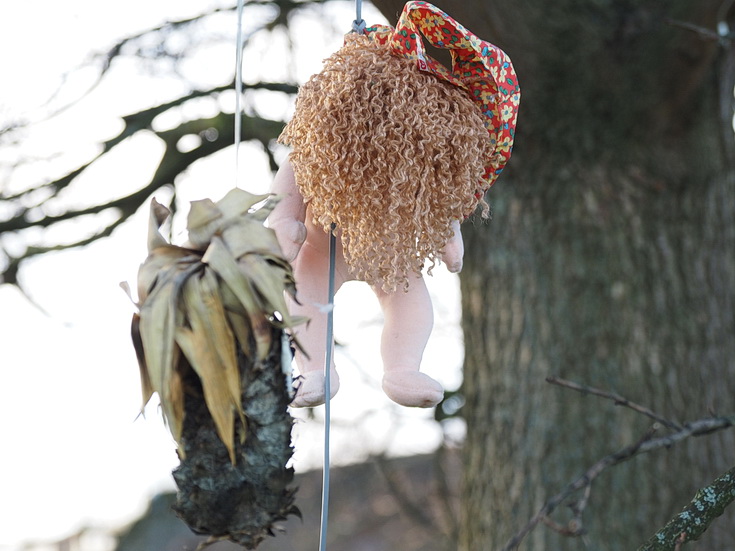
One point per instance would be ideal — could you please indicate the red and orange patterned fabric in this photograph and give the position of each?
(481, 68)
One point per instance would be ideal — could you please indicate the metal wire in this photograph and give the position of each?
(328, 389)
(238, 90)
(358, 26)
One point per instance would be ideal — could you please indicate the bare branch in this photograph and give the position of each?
(143, 120)
(696, 428)
(106, 58)
(171, 165)
(619, 400)
(572, 529)
(9, 274)
(703, 32)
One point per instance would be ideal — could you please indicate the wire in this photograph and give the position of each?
(328, 389)
(238, 90)
(358, 25)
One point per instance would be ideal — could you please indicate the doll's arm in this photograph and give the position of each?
(453, 251)
(287, 219)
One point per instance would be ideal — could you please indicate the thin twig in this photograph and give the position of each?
(619, 400)
(695, 428)
(572, 529)
(581, 504)
(576, 524)
(701, 31)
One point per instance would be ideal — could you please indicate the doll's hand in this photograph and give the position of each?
(291, 235)
(287, 218)
(453, 251)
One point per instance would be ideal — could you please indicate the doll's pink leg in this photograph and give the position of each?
(311, 271)
(409, 318)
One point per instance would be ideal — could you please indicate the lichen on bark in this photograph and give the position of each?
(708, 504)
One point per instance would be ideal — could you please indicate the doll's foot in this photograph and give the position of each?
(412, 388)
(310, 392)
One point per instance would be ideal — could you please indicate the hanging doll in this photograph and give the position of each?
(395, 150)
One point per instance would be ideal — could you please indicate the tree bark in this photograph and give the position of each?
(609, 261)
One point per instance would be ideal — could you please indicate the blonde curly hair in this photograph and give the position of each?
(391, 155)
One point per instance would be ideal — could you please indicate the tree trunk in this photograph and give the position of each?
(609, 262)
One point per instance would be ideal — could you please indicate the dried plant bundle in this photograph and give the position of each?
(210, 341)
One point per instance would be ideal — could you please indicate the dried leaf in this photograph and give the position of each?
(238, 202)
(145, 380)
(215, 395)
(265, 209)
(206, 315)
(159, 260)
(204, 220)
(159, 317)
(202, 213)
(249, 236)
(218, 257)
(268, 287)
(210, 348)
(172, 402)
(157, 327)
(237, 317)
(207, 305)
(157, 216)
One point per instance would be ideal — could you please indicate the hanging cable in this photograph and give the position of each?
(328, 388)
(238, 90)
(358, 26)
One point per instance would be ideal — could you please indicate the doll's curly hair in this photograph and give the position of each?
(391, 155)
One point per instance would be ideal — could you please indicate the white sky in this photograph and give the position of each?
(73, 452)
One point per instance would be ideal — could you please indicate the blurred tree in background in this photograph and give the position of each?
(195, 121)
(610, 259)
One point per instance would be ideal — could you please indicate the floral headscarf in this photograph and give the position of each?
(480, 68)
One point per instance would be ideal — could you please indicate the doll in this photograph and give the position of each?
(394, 150)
